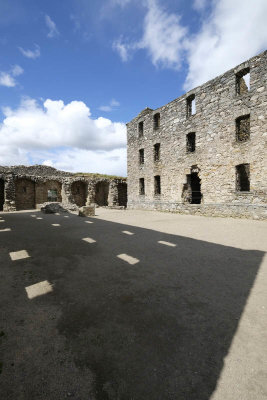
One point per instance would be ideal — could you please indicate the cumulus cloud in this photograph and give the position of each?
(53, 31)
(110, 107)
(31, 53)
(7, 78)
(66, 136)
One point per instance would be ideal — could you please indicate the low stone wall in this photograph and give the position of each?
(24, 188)
(238, 210)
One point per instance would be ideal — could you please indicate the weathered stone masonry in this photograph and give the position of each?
(205, 152)
(24, 188)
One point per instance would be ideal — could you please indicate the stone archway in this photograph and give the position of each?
(24, 194)
(79, 193)
(2, 194)
(101, 193)
(48, 191)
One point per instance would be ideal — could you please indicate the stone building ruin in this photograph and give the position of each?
(25, 188)
(204, 152)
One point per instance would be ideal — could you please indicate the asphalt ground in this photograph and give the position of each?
(132, 305)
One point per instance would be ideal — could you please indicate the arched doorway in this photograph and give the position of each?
(101, 193)
(79, 193)
(24, 194)
(48, 191)
(2, 194)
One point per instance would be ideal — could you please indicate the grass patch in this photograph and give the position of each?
(95, 175)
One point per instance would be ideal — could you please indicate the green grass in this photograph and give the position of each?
(95, 175)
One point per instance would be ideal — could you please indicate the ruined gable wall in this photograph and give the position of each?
(217, 151)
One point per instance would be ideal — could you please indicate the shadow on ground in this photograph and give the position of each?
(156, 330)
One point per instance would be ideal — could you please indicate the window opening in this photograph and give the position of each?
(52, 195)
(141, 156)
(243, 128)
(141, 128)
(156, 120)
(191, 105)
(157, 185)
(191, 142)
(243, 81)
(141, 186)
(156, 152)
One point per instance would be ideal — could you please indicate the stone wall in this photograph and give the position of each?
(25, 194)
(43, 188)
(2, 194)
(23, 188)
(218, 148)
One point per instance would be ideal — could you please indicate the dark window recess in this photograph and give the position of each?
(156, 120)
(191, 142)
(141, 156)
(192, 189)
(157, 152)
(141, 128)
(157, 184)
(190, 105)
(141, 186)
(243, 178)
(243, 128)
(52, 195)
(24, 189)
(243, 81)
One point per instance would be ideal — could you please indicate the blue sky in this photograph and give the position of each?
(73, 73)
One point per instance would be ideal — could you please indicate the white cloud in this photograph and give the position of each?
(230, 33)
(110, 107)
(163, 36)
(31, 53)
(199, 5)
(7, 78)
(122, 49)
(53, 31)
(66, 136)
(17, 70)
(235, 31)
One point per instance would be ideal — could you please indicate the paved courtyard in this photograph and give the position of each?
(132, 305)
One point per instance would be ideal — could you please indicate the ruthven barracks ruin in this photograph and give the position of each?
(205, 152)
(25, 188)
